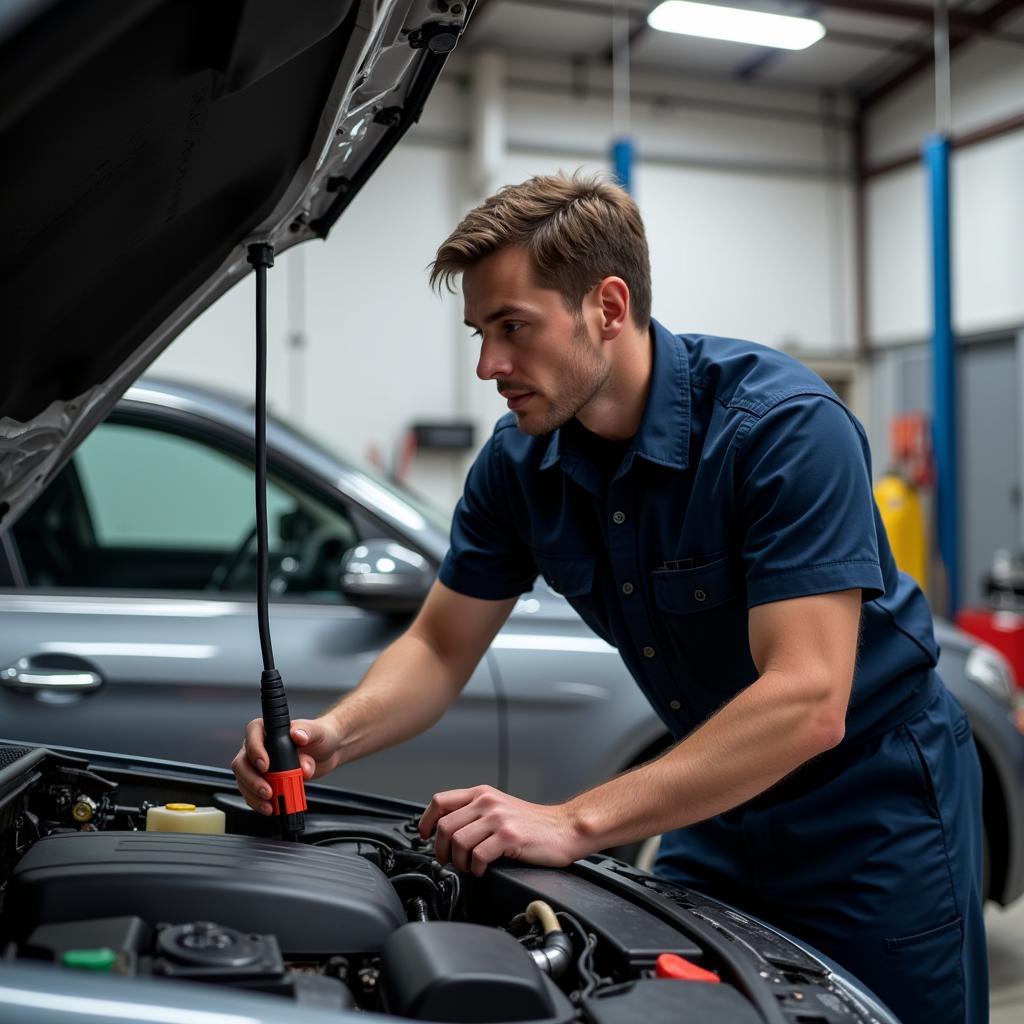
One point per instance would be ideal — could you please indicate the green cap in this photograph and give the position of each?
(102, 959)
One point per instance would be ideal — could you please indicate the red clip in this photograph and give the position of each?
(288, 786)
(670, 965)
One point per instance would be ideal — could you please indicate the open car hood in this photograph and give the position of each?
(112, 910)
(147, 145)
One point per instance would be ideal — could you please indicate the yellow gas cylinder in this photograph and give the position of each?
(903, 515)
(184, 818)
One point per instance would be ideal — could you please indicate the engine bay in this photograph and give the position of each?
(359, 916)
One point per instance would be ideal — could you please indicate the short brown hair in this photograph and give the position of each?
(577, 231)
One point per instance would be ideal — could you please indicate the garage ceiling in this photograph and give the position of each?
(869, 48)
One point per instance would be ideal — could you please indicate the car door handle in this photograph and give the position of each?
(28, 675)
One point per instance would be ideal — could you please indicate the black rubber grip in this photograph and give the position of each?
(277, 723)
(274, 700)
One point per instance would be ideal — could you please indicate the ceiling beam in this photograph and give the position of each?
(913, 47)
(990, 16)
(868, 41)
(965, 20)
(637, 31)
(961, 22)
(767, 56)
(597, 8)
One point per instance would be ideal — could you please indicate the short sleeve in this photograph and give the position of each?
(806, 506)
(486, 557)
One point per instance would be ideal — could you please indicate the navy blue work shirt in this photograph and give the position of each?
(747, 482)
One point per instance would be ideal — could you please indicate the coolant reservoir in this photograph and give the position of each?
(184, 818)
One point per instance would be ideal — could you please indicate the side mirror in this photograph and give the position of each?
(383, 576)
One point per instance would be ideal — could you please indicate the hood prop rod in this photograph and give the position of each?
(284, 773)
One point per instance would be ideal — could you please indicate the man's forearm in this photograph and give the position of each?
(805, 650)
(757, 739)
(406, 691)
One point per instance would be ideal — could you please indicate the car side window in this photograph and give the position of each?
(146, 509)
(149, 489)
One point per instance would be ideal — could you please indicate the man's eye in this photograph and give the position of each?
(511, 326)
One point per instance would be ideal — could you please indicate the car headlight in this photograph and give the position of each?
(869, 1005)
(987, 667)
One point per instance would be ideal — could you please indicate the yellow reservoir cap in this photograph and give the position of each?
(185, 818)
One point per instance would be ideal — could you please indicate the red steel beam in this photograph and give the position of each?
(908, 12)
(1005, 126)
(990, 17)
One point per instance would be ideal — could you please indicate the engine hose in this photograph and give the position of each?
(427, 884)
(556, 953)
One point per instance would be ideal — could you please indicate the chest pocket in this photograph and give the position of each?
(570, 576)
(683, 591)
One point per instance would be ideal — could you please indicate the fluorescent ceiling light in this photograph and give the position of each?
(714, 22)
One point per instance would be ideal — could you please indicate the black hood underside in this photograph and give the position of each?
(158, 136)
(145, 142)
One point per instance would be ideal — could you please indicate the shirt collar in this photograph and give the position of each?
(663, 436)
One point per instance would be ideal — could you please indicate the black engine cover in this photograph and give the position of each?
(454, 972)
(315, 901)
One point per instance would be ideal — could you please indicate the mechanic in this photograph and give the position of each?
(705, 504)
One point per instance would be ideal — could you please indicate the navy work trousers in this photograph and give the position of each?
(879, 867)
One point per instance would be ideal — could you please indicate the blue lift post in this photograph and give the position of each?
(944, 420)
(622, 162)
(622, 144)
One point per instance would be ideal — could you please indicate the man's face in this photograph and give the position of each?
(546, 362)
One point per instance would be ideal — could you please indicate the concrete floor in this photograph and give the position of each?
(1006, 963)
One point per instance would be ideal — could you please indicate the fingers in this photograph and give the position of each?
(254, 748)
(317, 740)
(251, 784)
(256, 795)
(301, 729)
(468, 827)
(442, 804)
(448, 826)
(487, 852)
(467, 840)
(474, 827)
(318, 745)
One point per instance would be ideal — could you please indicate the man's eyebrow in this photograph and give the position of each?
(502, 311)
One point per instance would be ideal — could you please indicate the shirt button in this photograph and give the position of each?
(699, 595)
(618, 517)
(627, 588)
(648, 652)
(674, 705)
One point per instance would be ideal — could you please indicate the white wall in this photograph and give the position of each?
(378, 350)
(987, 85)
(987, 201)
(749, 237)
(762, 258)
(898, 278)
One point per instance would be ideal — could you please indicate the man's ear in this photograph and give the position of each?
(612, 295)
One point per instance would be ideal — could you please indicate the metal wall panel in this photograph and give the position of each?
(991, 449)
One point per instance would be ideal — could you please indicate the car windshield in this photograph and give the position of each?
(435, 516)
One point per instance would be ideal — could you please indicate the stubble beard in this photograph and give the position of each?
(583, 378)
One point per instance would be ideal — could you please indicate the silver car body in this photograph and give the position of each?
(550, 710)
(179, 670)
(153, 143)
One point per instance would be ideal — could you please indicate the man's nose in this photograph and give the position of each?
(493, 361)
